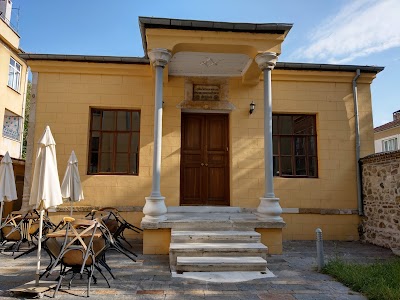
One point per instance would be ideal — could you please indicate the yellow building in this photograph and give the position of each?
(209, 127)
(13, 87)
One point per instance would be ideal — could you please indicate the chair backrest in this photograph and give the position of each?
(11, 227)
(53, 247)
(77, 249)
(108, 218)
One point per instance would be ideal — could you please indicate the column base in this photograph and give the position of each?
(155, 209)
(269, 210)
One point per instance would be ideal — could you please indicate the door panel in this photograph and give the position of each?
(193, 133)
(192, 188)
(191, 159)
(216, 133)
(216, 185)
(204, 160)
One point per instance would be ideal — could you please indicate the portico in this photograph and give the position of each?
(209, 55)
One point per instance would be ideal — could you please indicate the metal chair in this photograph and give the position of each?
(11, 232)
(77, 255)
(116, 225)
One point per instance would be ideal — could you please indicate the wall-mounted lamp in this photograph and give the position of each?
(252, 107)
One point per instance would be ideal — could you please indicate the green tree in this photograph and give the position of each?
(26, 118)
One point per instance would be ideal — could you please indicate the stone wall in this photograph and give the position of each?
(381, 194)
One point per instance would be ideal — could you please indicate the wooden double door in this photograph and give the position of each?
(204, 159)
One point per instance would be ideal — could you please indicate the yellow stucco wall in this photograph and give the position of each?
(10, 99)
(334, 227)
(8, 35)
(64, 102)
(329, 96)
(67, 90)
(332, 103)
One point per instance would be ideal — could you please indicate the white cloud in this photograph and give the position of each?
(360, 28)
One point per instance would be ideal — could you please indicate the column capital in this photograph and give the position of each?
(266, 60)
(159, 57)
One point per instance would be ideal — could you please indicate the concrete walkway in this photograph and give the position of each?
(150, 278)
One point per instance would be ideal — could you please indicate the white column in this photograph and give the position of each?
(269, 208)
(155, 208)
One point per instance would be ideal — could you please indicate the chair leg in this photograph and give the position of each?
(125, 240)
(70, 281)
(90, 277)
(58, 285)
(107, 267)
(124, 248)
(17, 247)
(98, 269)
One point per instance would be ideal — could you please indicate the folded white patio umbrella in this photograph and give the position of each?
(8, 192)
(71, 188)
(45, 191)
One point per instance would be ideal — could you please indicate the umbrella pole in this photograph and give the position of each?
(71, 207)
(39, 247)
(1, 213)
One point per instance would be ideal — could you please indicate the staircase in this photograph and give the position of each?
(216, 251)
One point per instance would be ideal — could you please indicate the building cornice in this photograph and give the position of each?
(201, 25)
(118, 64)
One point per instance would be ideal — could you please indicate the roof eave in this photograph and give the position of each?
(327, 67)
(86, 58)
(179, 24)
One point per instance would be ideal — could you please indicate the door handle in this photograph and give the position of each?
(206, 165)
(202, 164)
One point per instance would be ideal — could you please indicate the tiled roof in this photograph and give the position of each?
(387, 126)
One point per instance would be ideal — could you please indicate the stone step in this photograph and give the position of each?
(215, 249)
(209, 224)
(220, 264)
(190, 236)
(204, 209)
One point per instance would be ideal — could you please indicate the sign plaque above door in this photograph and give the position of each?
(206, 92)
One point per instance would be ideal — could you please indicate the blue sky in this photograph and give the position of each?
(364, 32)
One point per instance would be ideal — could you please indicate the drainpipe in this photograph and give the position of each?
(357, 131)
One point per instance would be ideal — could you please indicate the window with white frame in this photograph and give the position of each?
(389, 145)
(14, 74)
(11, 125)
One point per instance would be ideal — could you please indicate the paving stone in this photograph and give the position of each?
(162, 277)
(350, 297)
(184, 297)
(295, 270)
(223, 297)
(276, 297)
(312, 297)
(222, 287)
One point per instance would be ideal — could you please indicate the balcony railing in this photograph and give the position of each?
(8, 22)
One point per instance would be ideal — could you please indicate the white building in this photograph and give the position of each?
(387, 136)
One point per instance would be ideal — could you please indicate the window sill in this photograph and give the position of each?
(111, 174)
(288, 176)
(13, 89)
(10, 138)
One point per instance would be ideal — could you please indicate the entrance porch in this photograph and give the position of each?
(211, 136)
